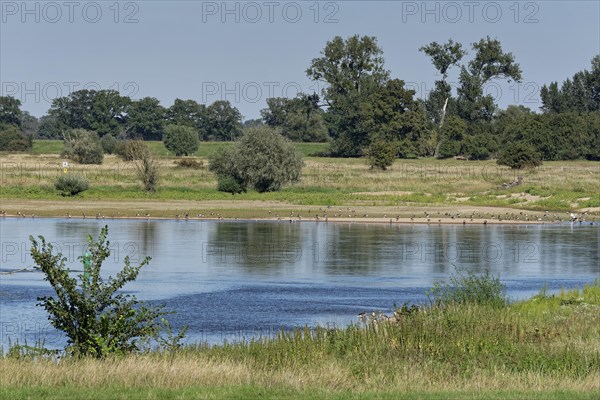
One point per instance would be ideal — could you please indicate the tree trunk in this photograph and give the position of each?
(439, 143)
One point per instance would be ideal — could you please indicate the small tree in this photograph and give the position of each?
(181, 140)
(96, 319)
(382, 153)
(83, 147)
(262, 159)
(519, 155)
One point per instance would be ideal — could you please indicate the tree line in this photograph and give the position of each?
(362, 110)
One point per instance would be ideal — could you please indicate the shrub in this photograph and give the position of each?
(181, 140)
(96, 317)
(147, 171)
(382, 153)
(11, 139)
(470, 289)
(131, 150)
(228, 184)
(109, 144)
(83, 147)
(262, 159)
(519, 155)
(189, 163)
(70, 185)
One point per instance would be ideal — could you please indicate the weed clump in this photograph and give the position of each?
(485, 290)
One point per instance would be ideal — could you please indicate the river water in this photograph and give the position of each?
(233, 280)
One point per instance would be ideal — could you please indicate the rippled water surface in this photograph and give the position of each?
(236, 279)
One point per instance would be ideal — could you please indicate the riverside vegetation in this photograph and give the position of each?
(407, 188)
(467, 338)
(546, 347)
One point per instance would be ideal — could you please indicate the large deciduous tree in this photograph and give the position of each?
(352, 69)
(471, 105)
(146, 119)
(490, 62)
(443, 57)
(299, 119)
(101, 111)
(222, 122)
(10, 111)
(186, 112)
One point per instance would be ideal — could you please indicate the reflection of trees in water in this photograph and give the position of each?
(149, 232)
(70, 238)
(572, 253)
(255, 246)
(354, 249)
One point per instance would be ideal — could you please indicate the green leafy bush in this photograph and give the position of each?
(131, 150)
(469, 289)
(382, 153)
(262, 159)
(228, 184)
(181, 140)
(12, 139)
(519, 155)
(71, 185)
(97, 318)
(109, 144)
(83, 147)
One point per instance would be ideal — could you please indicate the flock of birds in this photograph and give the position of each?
(323, 214)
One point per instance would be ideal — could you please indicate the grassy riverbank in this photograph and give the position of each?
(545, 348)
(344, 188)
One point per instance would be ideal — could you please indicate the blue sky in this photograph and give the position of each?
(245, 52)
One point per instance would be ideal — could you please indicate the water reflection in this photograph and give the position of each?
(265, 248)
(227, 277)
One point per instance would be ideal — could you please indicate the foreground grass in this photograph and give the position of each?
(547, 347)
(254, 392)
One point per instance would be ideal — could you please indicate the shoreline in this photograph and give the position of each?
(358, 220)
(274, 211)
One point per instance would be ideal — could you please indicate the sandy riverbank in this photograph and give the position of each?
(276, 211)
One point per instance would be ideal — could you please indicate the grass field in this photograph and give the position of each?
(545, 348)
(341, 187)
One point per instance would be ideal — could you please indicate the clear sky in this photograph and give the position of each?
(245, 52)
